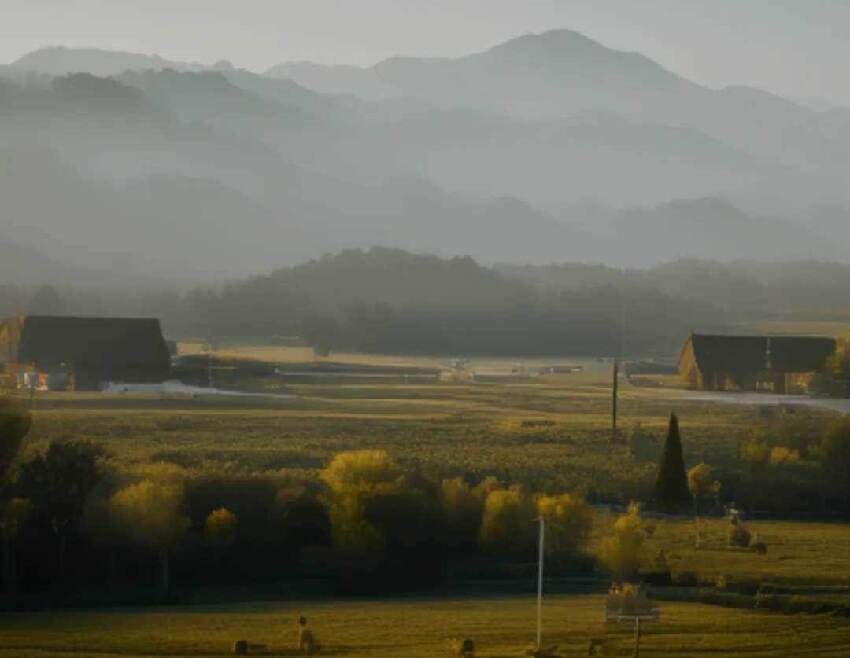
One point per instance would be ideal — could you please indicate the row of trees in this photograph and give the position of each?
(795, 462)
(72, 522)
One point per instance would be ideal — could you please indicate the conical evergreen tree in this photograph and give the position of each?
(671, 488)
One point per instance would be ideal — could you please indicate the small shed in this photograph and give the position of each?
(750, 363)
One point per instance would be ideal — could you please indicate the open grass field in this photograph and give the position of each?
(502, 626)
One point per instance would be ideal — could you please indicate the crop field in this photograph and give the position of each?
(550, 432)
(502, 626)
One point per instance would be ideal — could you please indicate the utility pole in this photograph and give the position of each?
(615, 387)
(210, 363)
(614, 390)
(540, 585)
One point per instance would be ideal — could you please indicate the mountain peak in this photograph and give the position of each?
(550, 42)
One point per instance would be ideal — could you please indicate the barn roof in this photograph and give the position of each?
(731, 354)
(129, 349)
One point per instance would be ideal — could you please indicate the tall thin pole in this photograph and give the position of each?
(637, 637)
(210, 364)
(540, 585)
(614, 391)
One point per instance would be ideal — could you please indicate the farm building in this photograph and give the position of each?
(751, 363)
(56, 352)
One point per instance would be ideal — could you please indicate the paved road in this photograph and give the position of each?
(763, 399)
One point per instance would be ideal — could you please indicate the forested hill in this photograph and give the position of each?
(389, 300)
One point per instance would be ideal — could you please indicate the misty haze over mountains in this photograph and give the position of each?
(547, 148)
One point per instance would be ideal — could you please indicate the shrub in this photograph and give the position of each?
(622, 551)
(507, 527)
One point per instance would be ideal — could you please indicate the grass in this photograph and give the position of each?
(413, 628)
(799, 553)
(551, 433)
(548, 432)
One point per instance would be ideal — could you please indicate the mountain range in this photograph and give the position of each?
(547, 148)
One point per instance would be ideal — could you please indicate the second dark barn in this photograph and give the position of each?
(88, 350)
(751, 363)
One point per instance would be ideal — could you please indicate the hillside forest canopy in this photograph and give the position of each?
(393, 301)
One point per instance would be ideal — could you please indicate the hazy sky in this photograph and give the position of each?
(799, 48)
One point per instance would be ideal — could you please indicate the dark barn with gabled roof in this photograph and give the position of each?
(750, 363)
(90, 350)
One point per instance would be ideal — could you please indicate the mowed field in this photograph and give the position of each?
(551, 433)
(502, 626)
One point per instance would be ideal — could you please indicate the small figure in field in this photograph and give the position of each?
(306, 640)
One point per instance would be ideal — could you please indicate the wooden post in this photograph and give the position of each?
(637, 637)
(540, 586)
(614, 391)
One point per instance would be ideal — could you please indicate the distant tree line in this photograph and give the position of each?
(388, 300)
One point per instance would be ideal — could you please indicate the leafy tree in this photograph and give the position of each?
(354, 478)
(321, 332)
(835, 453)
(622, 551)
(507, 527)
(463, 507)
(671, 487)
(755, 452)
(15, 514)
(702, 484)
(15, 423)
(150, 512)
(58, 482)
(569, 520)
(304, 521)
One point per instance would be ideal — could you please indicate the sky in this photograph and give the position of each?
(797, 48)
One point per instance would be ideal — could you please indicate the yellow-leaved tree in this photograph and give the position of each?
(622, 551)
(150, 512)
(569, 520)
(355, 478)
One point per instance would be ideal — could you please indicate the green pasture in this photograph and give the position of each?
(501, 626)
